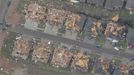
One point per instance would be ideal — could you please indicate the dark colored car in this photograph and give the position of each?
(130, 46)
(98, 46)
(131, 72)
(131, 59)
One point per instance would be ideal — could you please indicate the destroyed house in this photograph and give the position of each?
(80, 62)
(42, 53)
(35, 12)
(21, 48)
(124, 68)
(61, 58)
(72, 22)
(97, 28)
(105, 64)
(56, 17)
(114, 29)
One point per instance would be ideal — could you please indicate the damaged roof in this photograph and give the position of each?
(56, 16)
(80, 62)
(35, 12)
(22, 46)
(61, 57)
(42, 52)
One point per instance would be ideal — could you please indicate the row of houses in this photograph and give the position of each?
(112, 29)
(58, 56)
(65, 18)
(45, 53)
(74, 21)
(54, 17)
(111, 4)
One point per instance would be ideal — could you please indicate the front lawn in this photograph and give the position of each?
(122, 44)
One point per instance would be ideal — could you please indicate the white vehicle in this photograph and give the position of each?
(74, 1)
(19, 37)
(115, 41)
(49, 42)
(116, 48)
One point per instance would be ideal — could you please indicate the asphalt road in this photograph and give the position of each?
(70, 42)
(3, 9)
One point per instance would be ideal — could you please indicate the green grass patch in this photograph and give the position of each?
(94, 56)
(41, 25)
(116, 60)
(40, 30)
(122, 44)
(100, 41)
(81, 34)
(8, 45)
(46, 69)
(62, 30)
(51, 69)
(127, 18)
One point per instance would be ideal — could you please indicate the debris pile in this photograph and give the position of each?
(105, 64)
(41, 52)
(52, 16)
(111, 29)
(21, 48)
(114, 29)
(80, 62)
(56, 17)
(61, 58)
(124, 68)
(71, 22)
(34, 12)
(97, 26)
(115, 18)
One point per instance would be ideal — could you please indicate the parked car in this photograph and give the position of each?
(98, 46)
(131, 72)
(130, 46)
(116, 48)
(131, 59)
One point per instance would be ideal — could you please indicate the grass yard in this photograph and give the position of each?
(122, 44)
(45, 69)
(127, 18)
(116, 60)
(100, 40)
(8, 45)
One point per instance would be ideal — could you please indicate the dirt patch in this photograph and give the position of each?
(12, 17)
(10, 67)
(6, 66)
(3, 34)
